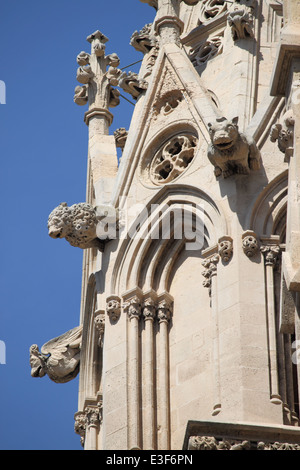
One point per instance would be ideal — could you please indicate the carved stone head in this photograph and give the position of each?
(77, 224)
(224, 133)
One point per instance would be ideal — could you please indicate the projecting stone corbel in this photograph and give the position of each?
(230, 151)
(83, 225)
(250, 243)
(225, 248)
(113, 308)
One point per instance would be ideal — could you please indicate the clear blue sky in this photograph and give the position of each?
(43, 149)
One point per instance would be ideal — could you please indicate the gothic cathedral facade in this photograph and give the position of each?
(189, 330)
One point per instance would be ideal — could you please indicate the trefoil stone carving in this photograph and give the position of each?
(59, 358)
(230, 151)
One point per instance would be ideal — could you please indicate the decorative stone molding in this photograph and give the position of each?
(225, 248)
(206, 50)
(59, 358)
(78, 224)
(120, 136)
(271, 254)
(132, 84)
(143, 40)
(250, 243)
(172, 158)
(210, 265)
(213, 435)
(211, 9)
(283, 133)
(167, 103)
(230, 151)
(240, 21)
(113, 308)
(212, 443)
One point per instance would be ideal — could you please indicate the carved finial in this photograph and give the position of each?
(97, 81)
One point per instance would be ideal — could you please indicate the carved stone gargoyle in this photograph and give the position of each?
(59, 358)
(230, 151)
(83, 225)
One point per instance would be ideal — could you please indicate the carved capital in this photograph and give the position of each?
(93, 414)
(133, 307)
(113, 307)
(271, 254)
(250, 243)
(149, 307)
(225, 248)
(164, 308)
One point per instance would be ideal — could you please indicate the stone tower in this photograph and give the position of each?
(190, 308)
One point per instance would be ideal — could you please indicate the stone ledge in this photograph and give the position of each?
(242, 436)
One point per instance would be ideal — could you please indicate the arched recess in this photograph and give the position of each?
(91, 356)
(268, 221)
(166, 226)
(268, 216)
